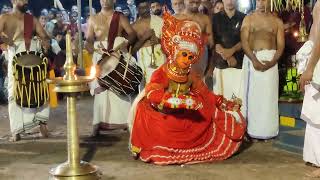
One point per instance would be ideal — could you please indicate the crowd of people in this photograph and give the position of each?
(239, 61)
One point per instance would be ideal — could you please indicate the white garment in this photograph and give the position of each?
(303, 56)
(23, 119)
(231, 80)
(311, 149)
(108, 107)
(144, 54)
(261, 97)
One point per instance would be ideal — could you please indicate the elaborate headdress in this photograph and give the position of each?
(181, 34)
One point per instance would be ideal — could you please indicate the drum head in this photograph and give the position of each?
(109, 63)
(30, 59)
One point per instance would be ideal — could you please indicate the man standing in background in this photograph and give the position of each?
(228, 79)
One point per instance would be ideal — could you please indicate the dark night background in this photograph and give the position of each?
(37, 5)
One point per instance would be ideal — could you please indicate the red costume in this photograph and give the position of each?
(166, 135)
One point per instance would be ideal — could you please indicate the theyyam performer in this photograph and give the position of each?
(177, 119)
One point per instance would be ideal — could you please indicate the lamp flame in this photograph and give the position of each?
(93, 72)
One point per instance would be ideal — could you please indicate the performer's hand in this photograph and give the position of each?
(305, 78)
(89, 47)
(7, 41)
(224, 52)
(148, 34)
(232, 62)
(219, 49)
(227, 53)
(155, 96)
(259, 66)
(209, 72)
(45, 45)
(269, 64)
(154, 39)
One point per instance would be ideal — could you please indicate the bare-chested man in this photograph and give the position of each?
(13, 26)
(191, 12)
(110, 111)
(311, 149)
(262, 38)
(149, 29)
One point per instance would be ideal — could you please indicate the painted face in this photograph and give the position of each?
(184, 58)
(156, 8)
(192, 5)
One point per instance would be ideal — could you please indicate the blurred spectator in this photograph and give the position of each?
(205, 7)
(44, 12)
(217, 7)
(6, 8)
(178, 6)
(156, 7)
(133, 10)
(43, 20)
(52, 14)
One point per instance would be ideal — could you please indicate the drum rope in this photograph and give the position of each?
(38, 88)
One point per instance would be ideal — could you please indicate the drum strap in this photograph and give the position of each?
(113, 31)
(28, 30)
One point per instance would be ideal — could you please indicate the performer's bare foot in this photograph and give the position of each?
(314, 174)
(44, 130)
(15, 138)
(95, 131)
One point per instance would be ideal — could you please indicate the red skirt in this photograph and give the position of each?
(185, 137)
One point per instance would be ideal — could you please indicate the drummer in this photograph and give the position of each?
(110, 110)
(16, 27)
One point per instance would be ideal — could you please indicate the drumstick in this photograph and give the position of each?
(127, 65)
(117, 48)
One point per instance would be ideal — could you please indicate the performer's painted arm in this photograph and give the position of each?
(90, 36)
(245, 33)
(280, 45)
(155, 90)
(199, 88)
(131, 34)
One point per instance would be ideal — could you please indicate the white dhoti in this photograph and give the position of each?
(23, 119)
(261, 97)
(311, 149)
(228, 82)
(110, 110)
(145, 56)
